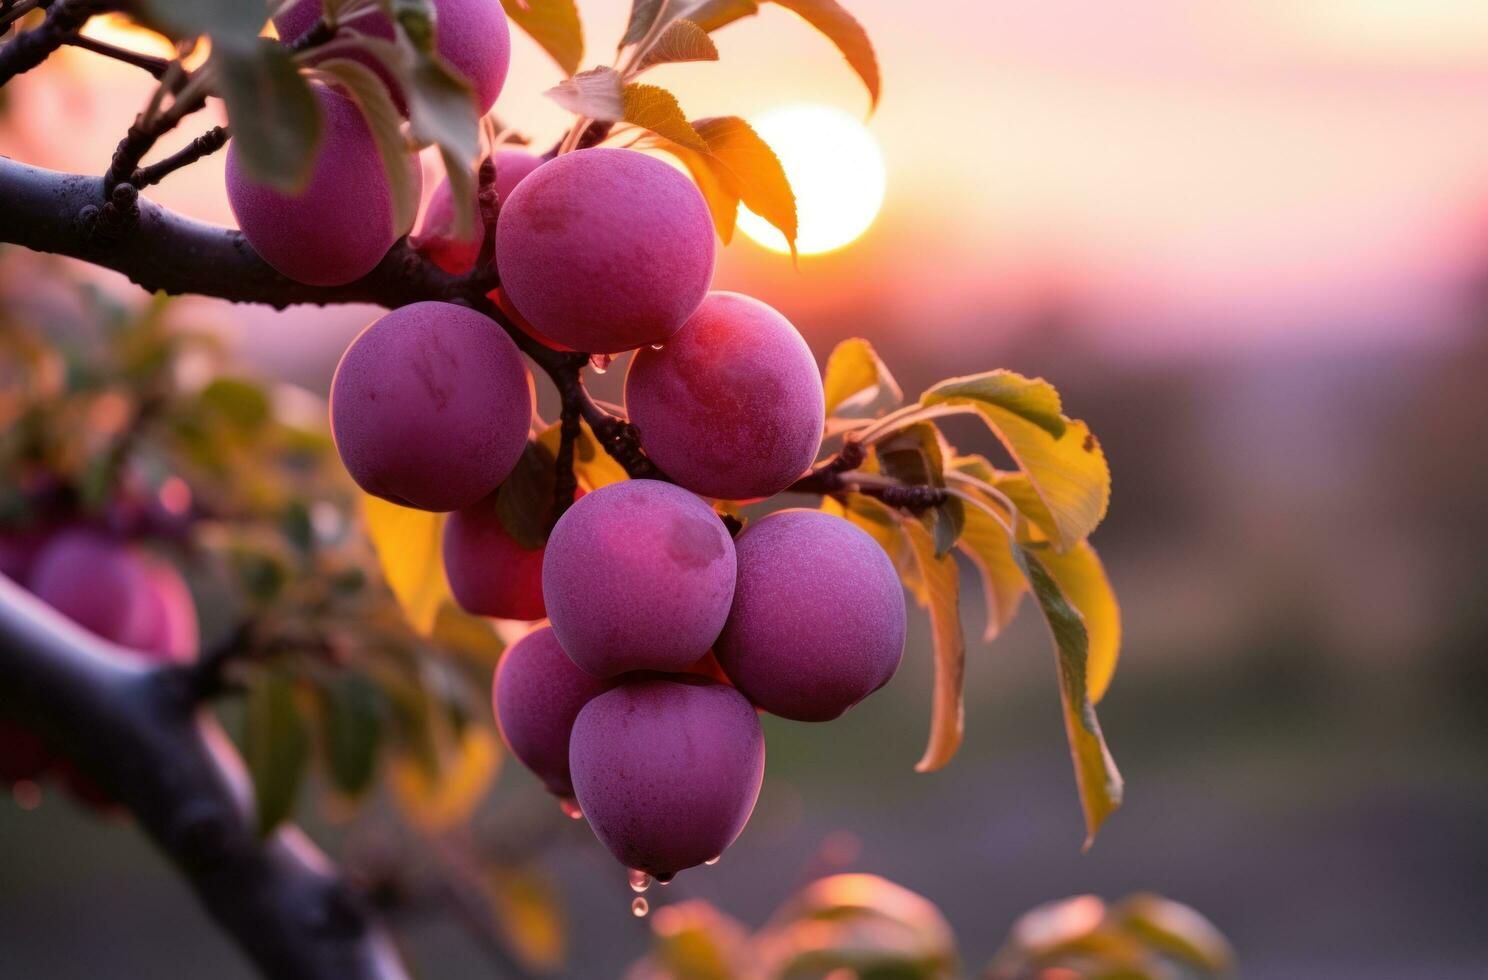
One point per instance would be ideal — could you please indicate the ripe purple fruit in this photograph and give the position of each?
(490, 573)
(430, 407)
(436, 233)
(472, 35)
(732, 405)
(667, 771)
(340, 226)
(119, 592)
(638, 575)
(537, 694)
(818, 617)
(605, 250)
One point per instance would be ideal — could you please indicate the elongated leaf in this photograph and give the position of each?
(525, 501)
(275, 747)
(936, 584)
(752, 170)
(275, 119)
(681, 41)
(1096, 776)
(386, 123)
(593, 466)
(1082, 578)
(656, 109)
(554, 25)
(597, 93)
(446, 798)
(843, 30)
(352, 718)
(857, 383)
(1060, 457)
(986, 543)
(408, 544)
(916, 456)
(228, 21)
(710, 15)
(642, 17)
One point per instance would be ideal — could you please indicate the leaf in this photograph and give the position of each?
(682, 41)
(1095, 771)
(1176, 930)
(275, 747)
(275, 119)
(241, 404)
(857, 383)
(408, 544)
(529, 913)
(554, 25)
(1082, 579)
(654, 108)
(438, 801)
(525, 501)
(710, 15)
(751, 171)
(843, 30)
(352, 721)
(594, 467)
(1061, 459)
(225, 20)
(916, 455)
(597, 93)
(986, 543)
(642, 17)
(717, 186)
(939, 592)
(384, 120)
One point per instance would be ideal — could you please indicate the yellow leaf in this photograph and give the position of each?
(1082, 579)
(857, 382)
(749, 168)
(681, 41)
(530, 917)
(940, 593)
(594, 467)
(1060, 457)
(654, 108)
(833, 20)
(717, 189)
(986, 543)
(408, 545)
(554, 25)
(1096, 776)
(467, 769)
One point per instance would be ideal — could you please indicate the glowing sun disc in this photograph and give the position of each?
(836, 169)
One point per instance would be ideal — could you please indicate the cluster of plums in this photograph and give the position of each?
(114, 588)
(640, 700)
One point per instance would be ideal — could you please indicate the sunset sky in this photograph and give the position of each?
(1237, 173)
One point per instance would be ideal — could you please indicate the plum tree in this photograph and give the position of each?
(436, 234)
(537, 693)
(431, 406)
(667, 771)
(818, 617)
(732, 405)
(340, 225)
(119, 592)
(489, 572)
(605, 250)
(472, 35)
(638, 576)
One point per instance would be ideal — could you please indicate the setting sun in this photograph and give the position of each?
(836, 170)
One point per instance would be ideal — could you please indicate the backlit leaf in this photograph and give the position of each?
(843, 30)
(1082, 579)
(642, 17)
(1096, 776)
(857, 383)
(408, 545)
(682, 41)
(986, 543)
(710, 15)
(597, 93)
(717, 187)
(593, 466)
(529, 913)
(654, 108)
(554, 25)
(1060, 457)
(446, 798)
(752, 171)
(275, 120)
(386, 123)
(275, 747)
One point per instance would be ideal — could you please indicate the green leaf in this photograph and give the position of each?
(656, 109)
(1060, 457)
(409, 549)
(682, 41)
(857, 383)
(276, 747)
(1095, 771)
(840, 27)
(225, 20)
(275, 119)
(525, 501)
(597, 93)
(554, 25)
(241, 404)
(352, 730)
(750, 171)
(1082, 578)
(384, 120)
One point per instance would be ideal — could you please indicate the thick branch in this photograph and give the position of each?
(138, 733)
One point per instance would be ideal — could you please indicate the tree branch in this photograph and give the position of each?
(138, 733)
(204, 145)
(155, 66)
(30, 48)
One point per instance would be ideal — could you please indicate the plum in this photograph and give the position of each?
(537, 694)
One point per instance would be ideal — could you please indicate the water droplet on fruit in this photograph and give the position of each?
(665, 879)
(601, 362)
(639, 881)
(713, 860)
(639, 907)
(570, 808)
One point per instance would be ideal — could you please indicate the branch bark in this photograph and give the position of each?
(138, 732)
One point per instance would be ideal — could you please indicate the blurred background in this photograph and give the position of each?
(1248, 240)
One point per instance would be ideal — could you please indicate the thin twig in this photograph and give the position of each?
(204, 145)
(155, 66)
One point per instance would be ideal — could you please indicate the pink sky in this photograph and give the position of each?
(1234, 172)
